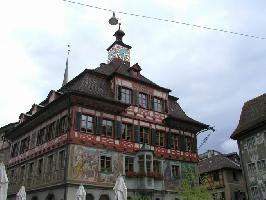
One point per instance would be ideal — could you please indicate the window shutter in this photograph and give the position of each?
(154, 138)
(98, 121)
(119, 92)
(135, 97)
(136, 133)
(169, 140)
(118, 126)
(78, 121)
(152, 103)
(165, 106)
(181, 142)
(194, 145)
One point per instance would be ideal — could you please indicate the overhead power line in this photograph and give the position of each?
(169, 20)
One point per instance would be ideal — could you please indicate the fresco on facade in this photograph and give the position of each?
(173, 183)
(85, 165)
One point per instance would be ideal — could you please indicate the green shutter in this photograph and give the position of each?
(119, 92)
(118, 126)
(98, 125)
(153, 137)
(165, 106)
(169, 140)
(136, 133)
(77, 122)
(135, 97)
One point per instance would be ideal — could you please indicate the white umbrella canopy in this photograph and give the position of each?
(21, 195)
(3, 182)
(81, 193)
(120, 189)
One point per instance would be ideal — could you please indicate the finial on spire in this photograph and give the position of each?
(66, 69)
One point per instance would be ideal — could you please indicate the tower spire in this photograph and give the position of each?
(66, 69)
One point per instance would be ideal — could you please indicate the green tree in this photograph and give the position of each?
(190, 188)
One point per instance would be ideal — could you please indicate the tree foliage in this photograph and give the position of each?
(190, 188)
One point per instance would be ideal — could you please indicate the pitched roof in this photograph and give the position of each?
(91, 84)
(253, 113)
(215, 163)
(175, 111)
(122, 68)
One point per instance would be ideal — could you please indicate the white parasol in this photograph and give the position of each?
(120, 189)
(81, 193)
(21, 195)
(3, 182)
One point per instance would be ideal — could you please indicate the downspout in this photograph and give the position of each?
(67, 148)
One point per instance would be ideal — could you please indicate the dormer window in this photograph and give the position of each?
(125, 95)
(157, 104)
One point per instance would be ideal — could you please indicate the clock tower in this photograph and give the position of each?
(118, 49)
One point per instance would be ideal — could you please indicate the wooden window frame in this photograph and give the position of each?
(106, 126)
(129, 164)
(174, 171)
(144, 132)
(126, 95)
(126, 132)
(143, 100)
(160, 135)
(87, 129)
(157, 104)
(106, 160)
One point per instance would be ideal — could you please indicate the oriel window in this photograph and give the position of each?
(107, 128)
(86, 124)
(127, 130)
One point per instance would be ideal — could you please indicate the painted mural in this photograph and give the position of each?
(172, 183)
(85, 165)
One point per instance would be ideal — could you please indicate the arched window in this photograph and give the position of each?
(104, 197)
(89, 197)
(50, 197)
(34, 198)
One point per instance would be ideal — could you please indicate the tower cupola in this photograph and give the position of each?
(119, 50)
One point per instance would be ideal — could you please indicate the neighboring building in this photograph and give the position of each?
(107, 121)
(251, 135)
(4, 144)
(223, 174)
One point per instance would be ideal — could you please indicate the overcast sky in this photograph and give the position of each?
(212, 73)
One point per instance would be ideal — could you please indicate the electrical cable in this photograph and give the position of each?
(168, 20)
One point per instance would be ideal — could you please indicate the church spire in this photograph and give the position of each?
(66, 69)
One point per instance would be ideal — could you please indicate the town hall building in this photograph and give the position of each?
(105, 122)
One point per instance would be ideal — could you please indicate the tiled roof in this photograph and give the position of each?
(91, 84)
(118, 67)
(215, 163)
(175, 111)
(96, 82)
(253, 113)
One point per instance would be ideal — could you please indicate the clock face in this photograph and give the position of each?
(120, 52)
(123, 52)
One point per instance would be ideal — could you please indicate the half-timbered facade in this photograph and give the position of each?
(105, 122)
